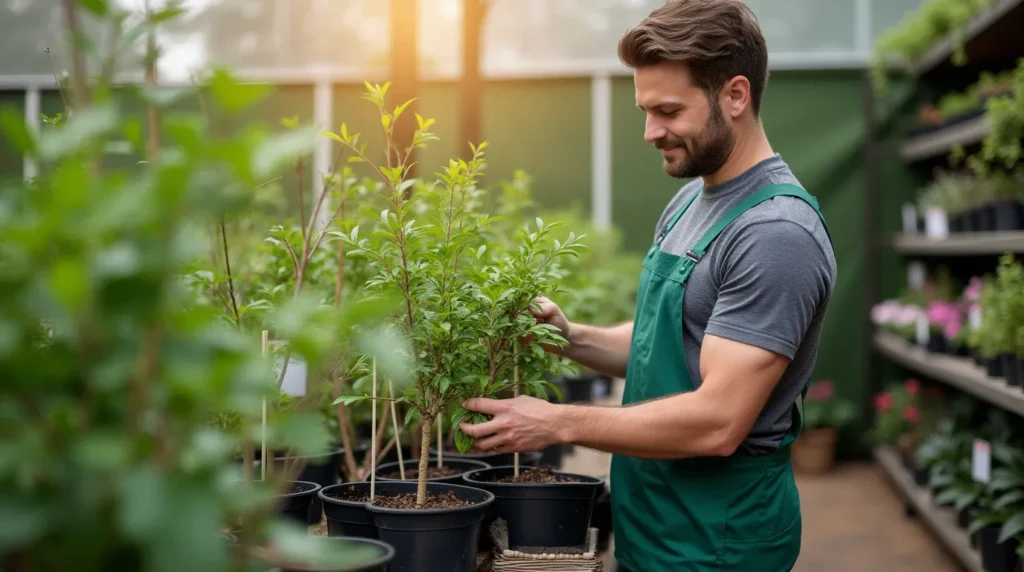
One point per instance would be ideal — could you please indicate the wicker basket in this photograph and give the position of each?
(583, 558)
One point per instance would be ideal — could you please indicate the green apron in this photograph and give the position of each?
(740, 512)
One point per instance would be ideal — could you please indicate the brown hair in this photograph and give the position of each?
(717, 40)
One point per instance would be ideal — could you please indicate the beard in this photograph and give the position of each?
(706, 153)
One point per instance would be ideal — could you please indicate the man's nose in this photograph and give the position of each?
(653, 131)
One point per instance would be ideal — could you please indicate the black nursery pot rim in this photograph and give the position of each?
(324, 491)
(308, 488)
(585, 480)
(415, 464)
(488, 498)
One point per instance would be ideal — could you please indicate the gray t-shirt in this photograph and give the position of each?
(765, 281)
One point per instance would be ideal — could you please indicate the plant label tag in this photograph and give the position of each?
(974, 317)
(936, 225)
(916, 275)
(294, 382)
(909, 219)
(922, 330)
(981, 463)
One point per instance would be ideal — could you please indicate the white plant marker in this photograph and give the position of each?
(373, 434)
(263, 423)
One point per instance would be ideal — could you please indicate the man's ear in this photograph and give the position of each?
(735, 96)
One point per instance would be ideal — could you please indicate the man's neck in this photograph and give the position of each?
(747, 152)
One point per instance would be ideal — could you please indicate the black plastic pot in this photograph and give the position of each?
(969, 221)
(1008, 215)
(379, 555)
(433, 539)
(296, 504)
(994, 367)
(956, 223)
(978, 359)
(345, 517)
(921, 475)
(937, 343)
(322, 470)
(963, 517)
(463, 465)
(602, 518)
(1012, 370)
(540, 514)
(491, 459)
(996, 557)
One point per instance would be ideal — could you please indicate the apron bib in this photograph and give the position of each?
(738, 513)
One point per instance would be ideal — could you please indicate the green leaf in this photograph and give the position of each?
(23, 521)
(307, 552)
(13, 126)
(232, 96)
(946, 497)
(282, 151)
(1011, 528)
(347, 400)
(83, 128)
(189, 535)
(143, 495)
(96, 7)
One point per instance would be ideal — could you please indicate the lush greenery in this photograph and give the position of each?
(112, 364)
(1002, 311)
(921, 30)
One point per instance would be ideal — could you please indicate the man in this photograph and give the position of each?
(731, 301)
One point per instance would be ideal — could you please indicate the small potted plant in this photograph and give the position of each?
(824, 414)
(897, 416)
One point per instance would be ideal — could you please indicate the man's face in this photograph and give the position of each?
(692, 133)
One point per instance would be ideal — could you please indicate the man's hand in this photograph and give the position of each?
(550, 313)
(520, 425)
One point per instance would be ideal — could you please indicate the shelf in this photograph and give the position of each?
(992, 35)
(941, 521)
(957, 372)
(961, 244)
(941, 141)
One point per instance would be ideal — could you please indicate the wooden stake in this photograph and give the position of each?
(263, 422)
(373, 435)
(515, 393)
(398, 439)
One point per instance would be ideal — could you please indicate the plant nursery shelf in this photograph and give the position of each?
(942, 522)
(961, 244)
(992, 36)
(957, 372)
(941, 141)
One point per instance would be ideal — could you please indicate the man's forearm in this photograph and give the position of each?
(601, 349)
(675, 427)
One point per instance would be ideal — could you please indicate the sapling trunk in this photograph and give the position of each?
(440, 443)
(421, 481)
(515, 393)
(264, 459)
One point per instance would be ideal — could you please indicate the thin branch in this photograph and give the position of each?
(80, 95)
(227, 267)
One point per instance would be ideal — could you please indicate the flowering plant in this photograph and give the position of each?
(897, 412)
(823, 409)
(897, 317)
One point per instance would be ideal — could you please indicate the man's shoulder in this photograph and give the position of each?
(677, 202)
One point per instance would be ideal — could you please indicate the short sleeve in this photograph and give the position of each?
(774, 278)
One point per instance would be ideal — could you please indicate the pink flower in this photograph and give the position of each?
(885, 312)
(912, 386)
(952, 328)
(973, 290)
(907, 315)
(911, 414)
(940, 313)
(883, 402)
(821, 390)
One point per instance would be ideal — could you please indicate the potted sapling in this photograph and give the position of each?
(458, 292)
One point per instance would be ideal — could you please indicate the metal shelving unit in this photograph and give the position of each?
(960, 373)
(998, 13)
(960, 244)
(941, 521)
(941, 141)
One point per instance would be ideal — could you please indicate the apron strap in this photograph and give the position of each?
(675, 218)
(756, 198)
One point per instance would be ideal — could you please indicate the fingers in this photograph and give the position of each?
(478, 430)
(486, 406)
(490, 443)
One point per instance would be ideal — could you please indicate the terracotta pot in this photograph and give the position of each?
(815, 451)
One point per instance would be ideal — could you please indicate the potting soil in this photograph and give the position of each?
(408, 501)
(538, 475)
(582, 558)
(433, 472)
(348, 494)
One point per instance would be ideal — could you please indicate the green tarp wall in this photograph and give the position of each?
(814, 119)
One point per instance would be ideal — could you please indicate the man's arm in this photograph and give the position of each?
(605, 350)
(764, 308)
(711, 421)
